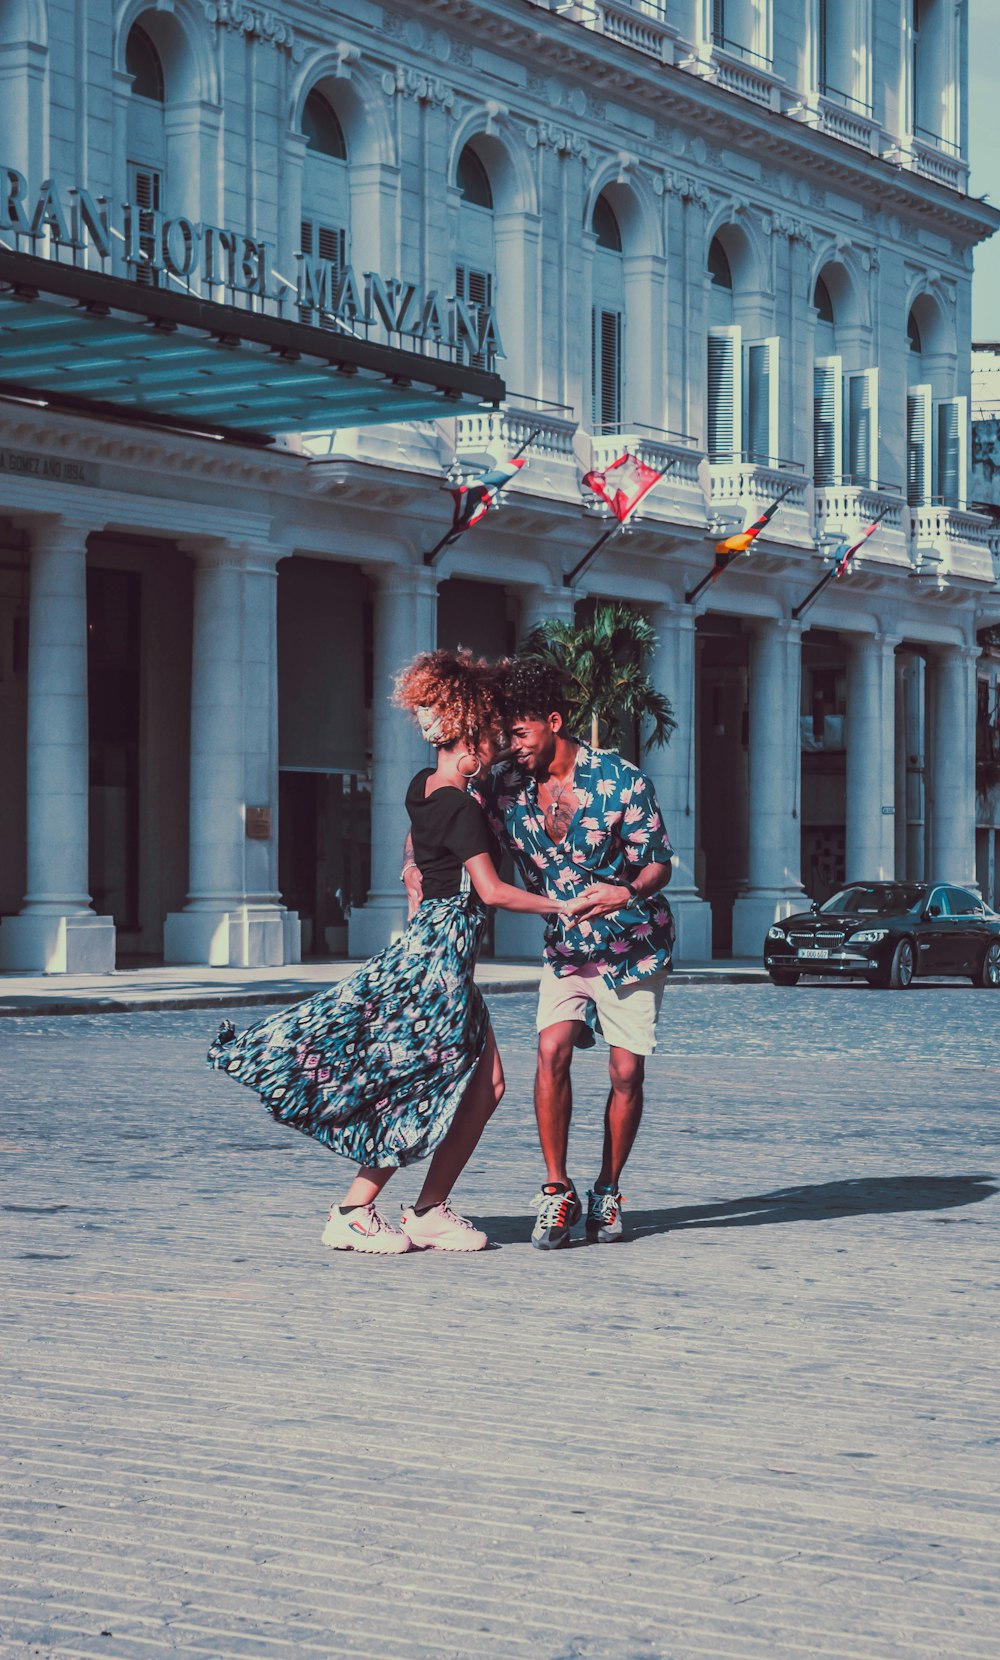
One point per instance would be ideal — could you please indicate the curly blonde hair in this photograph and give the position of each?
(460, 690)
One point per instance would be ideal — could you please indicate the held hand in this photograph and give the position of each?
(601, 899)
(571, 908)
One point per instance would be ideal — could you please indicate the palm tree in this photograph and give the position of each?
(605, 663)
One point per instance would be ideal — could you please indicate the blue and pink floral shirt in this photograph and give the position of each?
(617, 830)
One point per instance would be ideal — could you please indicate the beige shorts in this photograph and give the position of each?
(625, 1018)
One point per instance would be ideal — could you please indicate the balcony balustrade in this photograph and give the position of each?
(742, 487)
(952, 542)
(846, 510)
(941, 163)
(851, 123)
(680, 497)
(546, 432)
(742, 71)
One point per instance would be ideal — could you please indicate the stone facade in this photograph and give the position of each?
(734, 238)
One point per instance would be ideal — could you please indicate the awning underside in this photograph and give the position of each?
(157, 368)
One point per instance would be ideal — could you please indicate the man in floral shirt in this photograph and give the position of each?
(576, 818)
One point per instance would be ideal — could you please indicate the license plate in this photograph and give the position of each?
(814, 952)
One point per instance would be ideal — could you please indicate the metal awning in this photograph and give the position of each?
(81, 340)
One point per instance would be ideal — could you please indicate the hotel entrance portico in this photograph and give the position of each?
(140, 695)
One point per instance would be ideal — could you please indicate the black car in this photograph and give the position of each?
(887, 933)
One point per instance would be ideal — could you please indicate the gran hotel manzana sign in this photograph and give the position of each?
(58, 216)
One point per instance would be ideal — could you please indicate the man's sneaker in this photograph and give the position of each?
(558, 1209)
(604, 1216)
(363, 1229)
(441, 1229)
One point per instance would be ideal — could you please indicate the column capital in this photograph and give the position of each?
(213, 553)
(404, 579)
(61, 530)
(785, 628)
(875, 643)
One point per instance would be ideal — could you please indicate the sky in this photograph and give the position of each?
(984, 156)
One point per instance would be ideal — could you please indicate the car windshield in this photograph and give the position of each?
(881, 899)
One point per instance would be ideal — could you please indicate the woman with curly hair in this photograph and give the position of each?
(399, 1061)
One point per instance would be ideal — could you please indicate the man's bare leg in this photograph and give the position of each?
(622, 1114)
(554, 1095)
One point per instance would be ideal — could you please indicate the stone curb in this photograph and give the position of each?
(31, 1007)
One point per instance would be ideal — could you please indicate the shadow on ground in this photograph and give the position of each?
(822, 1202)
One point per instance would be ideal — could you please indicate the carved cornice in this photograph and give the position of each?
(258, 22)
(544, 40)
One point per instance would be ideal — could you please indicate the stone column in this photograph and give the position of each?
(774, 888)
(405, 624)
(233, 916)
(871, 736)
(57, 931)
(542, 604)
(951, 792)
(672, 771)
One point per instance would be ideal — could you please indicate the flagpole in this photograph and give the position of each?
(834, 570)
(699, 587)
(453, 535)
(620, 525)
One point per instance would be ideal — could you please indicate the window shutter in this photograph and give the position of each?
(725, 393)
(762, 437)
(918, 445)
(861, 426)
(475, 288)
(327, 242)
(718, 21)
(828, 420)
(606, 369)
(951, 427)
(145, 190)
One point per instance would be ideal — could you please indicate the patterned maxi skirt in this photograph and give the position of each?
(375, 1066)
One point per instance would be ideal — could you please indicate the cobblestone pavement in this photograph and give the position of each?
(764, 1426)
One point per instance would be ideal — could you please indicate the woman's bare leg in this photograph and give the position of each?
(479, 1102)
(366, 1186)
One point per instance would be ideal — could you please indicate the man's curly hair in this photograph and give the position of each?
(461, 690)
(532, 688)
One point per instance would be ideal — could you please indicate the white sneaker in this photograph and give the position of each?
(441, 1229)
(363, 1229)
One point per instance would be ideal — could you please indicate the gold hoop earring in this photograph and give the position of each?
(470, 775)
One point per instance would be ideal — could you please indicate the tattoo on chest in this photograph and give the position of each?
(559, 803)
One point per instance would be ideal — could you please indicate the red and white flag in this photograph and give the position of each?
(623, 484)
(474, 500)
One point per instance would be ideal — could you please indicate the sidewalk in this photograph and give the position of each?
(239, 988)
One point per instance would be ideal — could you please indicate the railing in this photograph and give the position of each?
(639, 24)
(854, 505)
(747, 53)
(544, 430)
(653, 447)
(857, 127)
(752, 485)
(947, 169)
(953, 541)
(846, 99)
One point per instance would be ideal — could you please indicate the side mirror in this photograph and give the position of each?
(933, 910)
(814, 905)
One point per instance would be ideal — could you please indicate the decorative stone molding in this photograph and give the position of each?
(423, 89)
(561, 139)
(796, 230)
(254, 21)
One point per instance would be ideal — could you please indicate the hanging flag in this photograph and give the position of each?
(473, 501)
(845, 554)
(733, 546)
(623, 484)
(843, 557)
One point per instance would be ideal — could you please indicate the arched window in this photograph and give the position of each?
(937, 424)
(607, 323)
(474, 181)
(142, 61)
(146, 146)
(743, 382)
(475, 265)
(323, 132)
(326, 199)
(845, 399)
(605, 226)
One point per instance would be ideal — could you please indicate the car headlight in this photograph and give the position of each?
(776, 933)
(867, 936)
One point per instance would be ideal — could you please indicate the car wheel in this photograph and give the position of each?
(780, 979)
(901, 968)
(989, 974)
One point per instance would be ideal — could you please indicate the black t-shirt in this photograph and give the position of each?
(448, 827)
